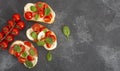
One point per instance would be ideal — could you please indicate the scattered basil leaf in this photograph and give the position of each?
(31, 51)
(29, 64)
(49, 40)
(24, 54)
(66, 31)
(40, 5)
(49, 56)
(33, 8)
(36, 17)
(47, 11)
(34, 35)
(17, 48)
(40, 43)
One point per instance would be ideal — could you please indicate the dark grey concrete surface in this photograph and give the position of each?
(94, 43)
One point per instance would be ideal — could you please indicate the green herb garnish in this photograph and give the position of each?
(40, 5)
(47, 11)
(49, 56)
(66, 31)
(29, 64)
(34, 35)
(40, 43)
(31, 51)
(17, 48)
(49, 40)
(45, 30)
(24, 54)
(33, 8)
(36, 16)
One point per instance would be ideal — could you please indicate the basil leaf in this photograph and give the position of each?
(40, 43)
(31, 51)
(47, 11)
(49, 56)
(66, 31)
(40, 5)
(45, 30)
(34, 35)
(17, 48)
(36, 16)
(33, 8)
(29, 64)
(24, 54)
(49, 40)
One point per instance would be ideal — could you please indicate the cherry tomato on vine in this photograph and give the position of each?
(16, 17)
(15, 31)
(20, 25)
(28, 15)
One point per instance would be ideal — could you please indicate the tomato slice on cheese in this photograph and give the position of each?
(43, 36)
(40, 12)
(25, 52)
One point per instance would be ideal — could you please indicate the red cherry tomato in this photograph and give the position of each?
(48, 33)
(28, 15)
(48, 45)
(41, 14)
(5, 29)
(11, 51)
(15, 32)
(21, 60)
(4, 44)
(27, 43)
(53, 37)
(10, 23)
(20, 25)
(23, 48)
(47, 19)
(16, 17)
(30, 58)
(36, 28)
(17, 54)
(9, 38)
(1, 35)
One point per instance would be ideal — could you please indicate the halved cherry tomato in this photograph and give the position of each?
(1, 35)
(36, 27)
(48, 45)
(41, 14)
(9, 38)
(39, 5)
(5, 29)
(21, 60)
(11, 51)
(10, 23)
(53, 37)
(28, 15)
(47, 19)
(17, 54)
(23, 48)
(16, 17)
(15, 32)
(30, 58)
(20, 25)
(4, 44)
(27, 43)
(48, 33)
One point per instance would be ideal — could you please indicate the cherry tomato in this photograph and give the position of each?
(5, 29)
(41, 14)
(4, 44)
(15, 32)
(48, 45)
(21, 60)
(10, 23)
(1, 35)
(20, 25)
(53, 37)
(39, 5)
(36, 28)
(9, 38)
(11, 51)
(30, 58)
(17, 54)
(23, 48)
(27, 43)
(48, 33)
(47, 18)
(28, 15)
(16, 17)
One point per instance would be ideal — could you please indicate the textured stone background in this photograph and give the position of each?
(94, 43)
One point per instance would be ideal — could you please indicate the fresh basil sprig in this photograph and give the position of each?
(66, 31)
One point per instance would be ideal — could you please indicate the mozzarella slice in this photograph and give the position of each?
(27, 8)
(41, 35)
(28, 33)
